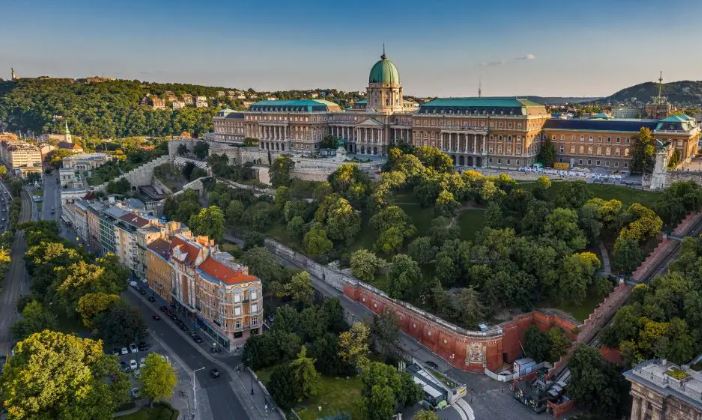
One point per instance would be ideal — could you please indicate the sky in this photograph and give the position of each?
(441, 48)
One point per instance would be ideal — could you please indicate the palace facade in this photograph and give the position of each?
(493, 132)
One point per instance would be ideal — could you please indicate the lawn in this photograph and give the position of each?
(608, 191)
(421, 216)
(579, 312)
(157, 412)
(471, 221)
(334, 395)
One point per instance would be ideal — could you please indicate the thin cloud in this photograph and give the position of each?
(526, 57)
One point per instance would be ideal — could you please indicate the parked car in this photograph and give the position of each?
(432, 364)
(115, 351)
(214, 372)
(142, 291)
(141, 362)
(124, 350)
(133, 365)
(133, 348)
(198, 339)
(156, 317)
(133, 284)
(143, 346)
(135, 392)
(151, 299)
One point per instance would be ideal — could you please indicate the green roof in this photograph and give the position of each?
(307, 105)
(677, 118)
(385, 72)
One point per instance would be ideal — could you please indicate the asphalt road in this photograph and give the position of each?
(223, 403)
(15, 283)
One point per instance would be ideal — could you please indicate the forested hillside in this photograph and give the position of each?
(111, 108)
(684, 92)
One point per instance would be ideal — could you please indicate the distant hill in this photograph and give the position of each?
(683, 93)
(560, 100)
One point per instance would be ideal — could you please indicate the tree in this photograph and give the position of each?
(353, 345)
(643, 152)
(596, 385)
(300, 288)
(235, 209)
(421, 250)
(405, 278)
(120, 325)
(121, 186)
(35, 318)
(572, 194)
(339, 218)
(316, 242)
(365, 265)
(158, 378)
(209, 222)
(201, 149)
(92, 304)
(60, 376)
(380, 404)
(562, 227)
(282, 386)
(627, 255)
(386, 389)
(577, 276)
(425, 415)
(385, 331)
(547, 153)
(469, 308)
(305, 376)
(537, 344)
(446, 204)
(280, 171)
(559, 343)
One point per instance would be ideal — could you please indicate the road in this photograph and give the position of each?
(224, 403)
(486, 399)
(51, 199)
(16, 282)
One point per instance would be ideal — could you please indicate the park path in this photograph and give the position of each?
(606, 266)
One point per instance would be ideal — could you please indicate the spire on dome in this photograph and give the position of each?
(383, 56)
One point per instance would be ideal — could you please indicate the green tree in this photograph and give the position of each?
(365, 265)
(470, 309)
(353, 345)
(446, 204)
(305, 376)
(235, 209)
(201, 149)
(405, 278)
(547, 153)
(60, 376)
(627, 255)
(158, 378)
(282, 386)
(561, 226)
(91, 304)
(425, 415)
(596, 385)
(121, 186)
(339, 218)
(537, 344)
(421, 250)
(209, 222)
(577, 276)
(120, 325)
(300, 288)
(316, 242)
(643, 152)
(295, 228)
(280, 171)
(35, 318)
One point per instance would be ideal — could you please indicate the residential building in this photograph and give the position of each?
(188, 99)
(177, 105)
(201, 102)
(207, 286)
(126, 237)
(662, 390)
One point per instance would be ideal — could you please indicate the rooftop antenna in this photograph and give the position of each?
(383, 56)
(660, 86)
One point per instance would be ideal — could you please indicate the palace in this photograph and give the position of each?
(487, 132)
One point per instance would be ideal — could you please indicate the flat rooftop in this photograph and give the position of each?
(670, 380)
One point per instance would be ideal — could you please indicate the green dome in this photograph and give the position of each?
(385, 72)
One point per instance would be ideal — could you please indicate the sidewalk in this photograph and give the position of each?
(258, 404)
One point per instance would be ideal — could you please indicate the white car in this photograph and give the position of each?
(133, 365)
(142, 361)
(124, 350)
(133, 347)
(135, 392)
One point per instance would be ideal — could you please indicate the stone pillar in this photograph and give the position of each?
(475, 143)
(635, 408)
(484, 151)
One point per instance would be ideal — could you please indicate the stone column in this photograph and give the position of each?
(475, 143)
(635, 408)
(484, 151)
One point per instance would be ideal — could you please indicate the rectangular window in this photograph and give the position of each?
(237, 310)
(237, 298)
(254, 308)
(562, 148)
(253, 295)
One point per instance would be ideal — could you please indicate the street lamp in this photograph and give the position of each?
(194, 392)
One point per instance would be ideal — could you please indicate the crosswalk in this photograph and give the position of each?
(464, 409)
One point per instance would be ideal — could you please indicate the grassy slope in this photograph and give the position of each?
(334, 395)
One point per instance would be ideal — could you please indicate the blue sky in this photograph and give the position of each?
(442, 48)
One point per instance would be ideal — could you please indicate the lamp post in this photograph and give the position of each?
(194, 391)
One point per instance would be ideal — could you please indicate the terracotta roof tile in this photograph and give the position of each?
(191, 250)
(224, 273)
(135, 220)
(161, 246)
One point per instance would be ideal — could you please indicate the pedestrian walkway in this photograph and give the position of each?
(606, 266)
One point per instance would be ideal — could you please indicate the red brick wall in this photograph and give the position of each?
(452, 345)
